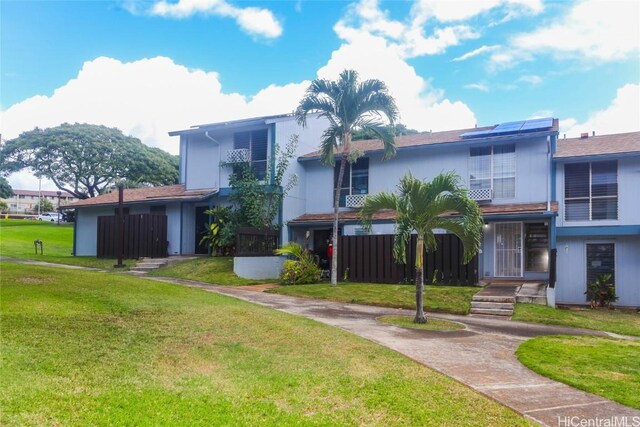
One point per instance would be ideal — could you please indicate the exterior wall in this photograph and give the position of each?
(628, 200)
(531, 167)
(572, 269)
(188, 229)
(87, 226)
(201, 163)
(86, 229)
(378, 228)
(295, 203)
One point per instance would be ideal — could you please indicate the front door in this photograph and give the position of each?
(508, 249)
(321, 239)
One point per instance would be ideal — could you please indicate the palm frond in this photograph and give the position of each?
(374, 203)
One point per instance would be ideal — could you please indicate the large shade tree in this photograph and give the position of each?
(420, 208)
(5, 188)
(349, 105)
(84, 159)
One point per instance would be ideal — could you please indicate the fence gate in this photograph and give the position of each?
(370, 259)
(145, 235)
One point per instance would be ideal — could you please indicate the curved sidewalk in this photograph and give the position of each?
(480, 356)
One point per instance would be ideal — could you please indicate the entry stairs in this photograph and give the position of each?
(499, 298)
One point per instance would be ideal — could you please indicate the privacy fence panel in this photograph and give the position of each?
(370, 259)
(145, 235)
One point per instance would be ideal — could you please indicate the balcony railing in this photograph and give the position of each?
(480, 194)
(241, 155)
(355, 200)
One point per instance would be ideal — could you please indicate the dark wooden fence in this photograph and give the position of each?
(370, 259)
(256, 242)
(145, 235)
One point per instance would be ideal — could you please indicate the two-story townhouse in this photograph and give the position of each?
(506, 167)
(597, 182)
(206, 153)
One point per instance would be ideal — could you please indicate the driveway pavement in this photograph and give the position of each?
(480, 356)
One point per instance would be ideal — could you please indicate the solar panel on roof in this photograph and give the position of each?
(537, 124)
(512, 128)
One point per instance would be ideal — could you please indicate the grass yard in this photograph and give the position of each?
(85, 348)
(445, 299)
(619, 322)
(604, 366)
(432, 324)
(17, 236)
(216, 270)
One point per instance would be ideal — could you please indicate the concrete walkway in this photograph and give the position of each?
(480, 356)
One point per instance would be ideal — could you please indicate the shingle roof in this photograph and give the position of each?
(389, 215)
(146, 194)
(599, 145)
(433, 138)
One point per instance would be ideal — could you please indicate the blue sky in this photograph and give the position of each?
(148, 67)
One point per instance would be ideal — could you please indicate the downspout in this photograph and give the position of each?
(547, 175)
(181, 225)
(218, 184)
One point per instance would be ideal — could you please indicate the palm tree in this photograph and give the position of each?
(348, 105)
(422, 207)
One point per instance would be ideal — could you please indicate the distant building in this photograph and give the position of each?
(26, 201)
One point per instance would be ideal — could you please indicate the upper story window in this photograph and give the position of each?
(494, 168)
(591, 191)
(256, 142)
(355, 180)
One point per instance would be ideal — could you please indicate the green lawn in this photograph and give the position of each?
(17, 236)
(604, 366)
(446, 299)
(432, 324)
(216, 270)
(619, 322)
(85, 348)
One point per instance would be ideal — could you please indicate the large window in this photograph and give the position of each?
(591, 191)
(355, 180)
(600, 260)
(494, 168)
(256, 142)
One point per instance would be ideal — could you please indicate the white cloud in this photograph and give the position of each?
(432, 26)
(622, 115)
(592, 30)
(253, 20)
(421, 106)
(476, 52)
(136, 98)
(533, 80)
(461, 10)
(478, 86)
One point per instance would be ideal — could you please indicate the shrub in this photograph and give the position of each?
(300, 270)
(602, 292)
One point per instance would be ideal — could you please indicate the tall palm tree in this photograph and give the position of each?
(348, 105)
(422, 207)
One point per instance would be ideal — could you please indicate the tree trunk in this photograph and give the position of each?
(336, 209)
(420, 317)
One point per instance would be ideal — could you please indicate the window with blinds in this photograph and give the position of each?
(591, 191)
(256, 142)
(494, 168)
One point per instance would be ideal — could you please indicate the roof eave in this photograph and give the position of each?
(601, 156)
(147, 201)
(460, 142)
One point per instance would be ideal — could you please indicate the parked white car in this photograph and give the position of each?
(50, 216)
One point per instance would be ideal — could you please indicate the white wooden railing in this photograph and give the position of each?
(480, 194)
(240, 155)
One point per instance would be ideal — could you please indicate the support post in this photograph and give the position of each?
(120, 226)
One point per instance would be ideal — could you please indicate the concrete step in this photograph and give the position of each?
(492, 311)
(151, 264)
(144, 268)
(490, 305)
(532, 299)
(492, 298)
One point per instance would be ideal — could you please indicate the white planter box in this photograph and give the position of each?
(258, 267)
